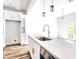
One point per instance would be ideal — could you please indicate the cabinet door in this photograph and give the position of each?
(34, 49)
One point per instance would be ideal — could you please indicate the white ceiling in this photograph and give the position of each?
(18, 5)
(23, 5)
(59, 2)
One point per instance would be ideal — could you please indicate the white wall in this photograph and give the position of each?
(35, 21)
(77, 30)
(1, 29)
(10, 15)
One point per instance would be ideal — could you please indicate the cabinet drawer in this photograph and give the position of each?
(34, 49)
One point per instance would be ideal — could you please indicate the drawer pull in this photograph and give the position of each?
(33, 50)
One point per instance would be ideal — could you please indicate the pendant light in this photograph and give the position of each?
(70, 0)
(52, 6)
(43, 13)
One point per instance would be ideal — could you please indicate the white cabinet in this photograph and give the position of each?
(34, 48)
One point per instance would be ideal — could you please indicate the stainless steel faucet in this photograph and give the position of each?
(46, 29)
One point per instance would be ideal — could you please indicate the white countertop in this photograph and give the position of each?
(59, 48)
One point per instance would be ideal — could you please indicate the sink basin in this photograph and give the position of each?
(43, 38)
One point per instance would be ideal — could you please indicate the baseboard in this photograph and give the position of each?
(13, 44)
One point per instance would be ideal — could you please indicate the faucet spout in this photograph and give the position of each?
(48, 29)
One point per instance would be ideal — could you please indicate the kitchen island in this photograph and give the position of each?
(59, 48)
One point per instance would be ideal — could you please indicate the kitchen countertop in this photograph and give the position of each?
(61, 49)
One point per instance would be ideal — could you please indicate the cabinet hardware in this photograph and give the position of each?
(33, 50)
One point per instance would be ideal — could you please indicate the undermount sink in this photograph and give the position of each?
(43, 38)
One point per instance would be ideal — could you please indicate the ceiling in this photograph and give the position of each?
(23, 5)
(17, 5)
(59, 2)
